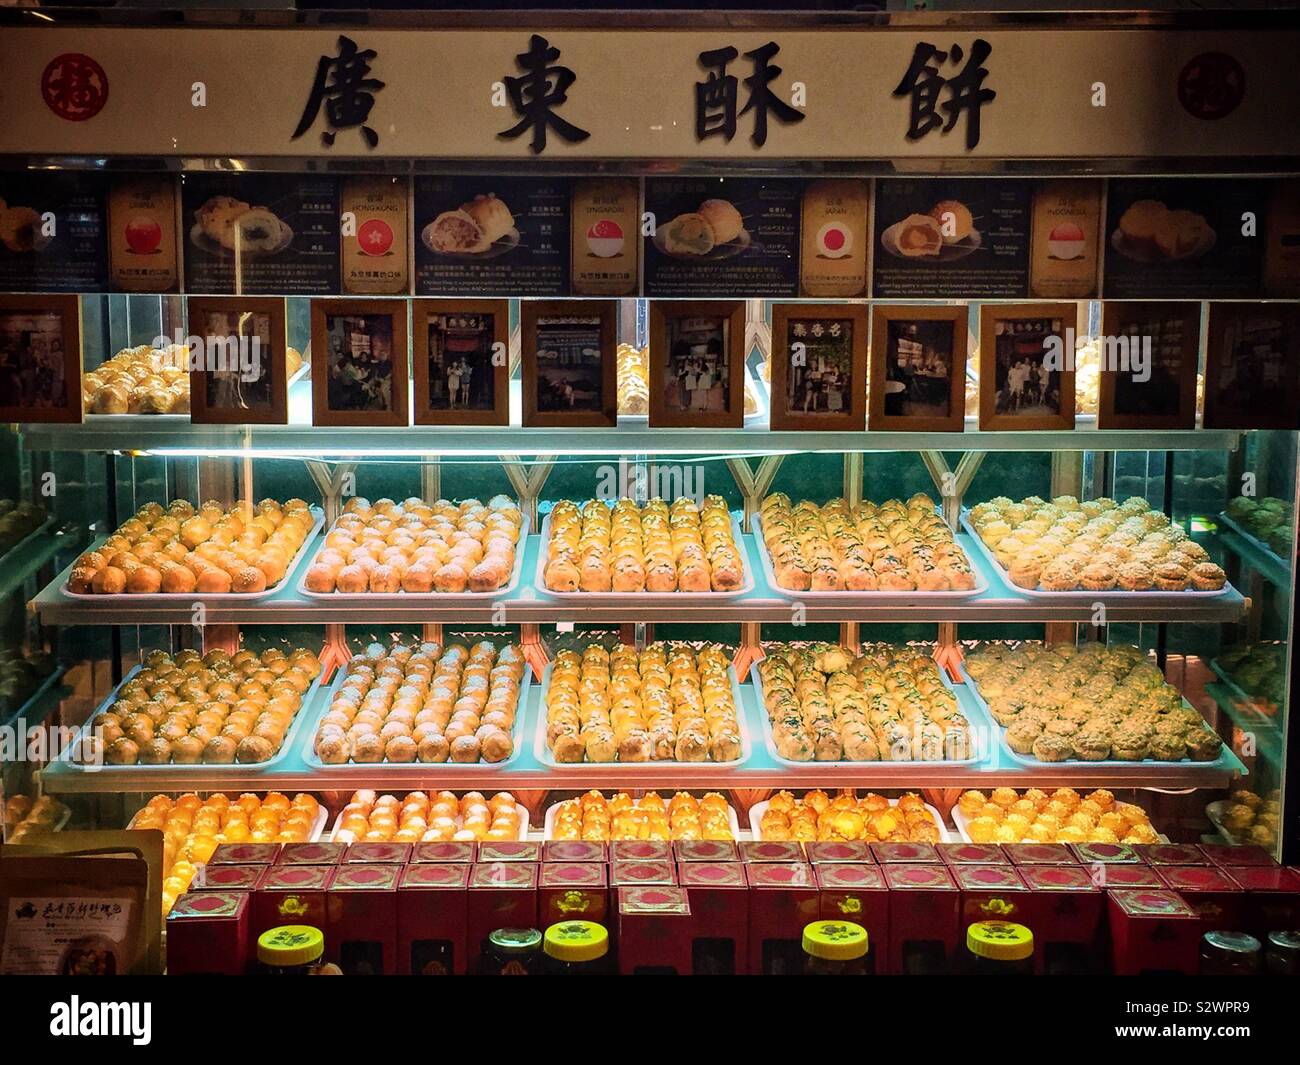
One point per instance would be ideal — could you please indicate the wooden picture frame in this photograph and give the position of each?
(198, 310)
(851, 414)
(1061, 319)
(1280, 383)
(536, 319)
(423, 313)
(26, 388)
(1179, 336)
(665, 320)
(955, 317)
(323, 313)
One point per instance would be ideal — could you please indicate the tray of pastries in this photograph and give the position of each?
(424, 817)
(207, 553)
(1060, 815)
(186, 711)
(628, 710)
(591, 816)
(423, 703)
(828, 706)
(837, 552)
(816, 817)
(1064, 548)
(444, 550)
(1091, 705)
(638, 553)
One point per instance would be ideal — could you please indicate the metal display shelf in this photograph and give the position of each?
(1264, 562)
(759, 770)
(31, 553)
(528, 605)
(1235, 704)
(300, 439)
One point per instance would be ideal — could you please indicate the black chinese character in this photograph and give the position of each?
(715, 97)
(966, 92)
(535, 95)
(348, 94)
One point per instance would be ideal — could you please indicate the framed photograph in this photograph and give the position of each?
(1027, 365)
(238, 376)
(461, 355)
(1252, 366)
(918, 369)
(569, 366)
(697, 364)
(819, 366)
(1149, 354)
(40, 359)
(358, 362)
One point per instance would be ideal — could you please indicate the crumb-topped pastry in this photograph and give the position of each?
(1208, 577)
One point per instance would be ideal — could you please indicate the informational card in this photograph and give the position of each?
(1184, 238)
(729, 237)
(374, 236)
(955, 238)
(142, 233)
(260, 234)
(52, 232)
(492, 236)
(606, 236)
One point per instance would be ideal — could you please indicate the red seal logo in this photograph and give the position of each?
(74, 86)
(1211, 85)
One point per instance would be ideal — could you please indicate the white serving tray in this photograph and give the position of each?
(876, 598)
(172, 598)
(633, 770)
(757, 811)
(444, 598)
(548, 827)
(633, 599)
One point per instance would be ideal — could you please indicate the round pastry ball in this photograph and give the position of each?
(157, 751)
(122, 752)
(109, 581)
(434, 747)
(254, 749)
(400, 749)
(368, 748)
(465, 749)
(220, 750)
(188, 750)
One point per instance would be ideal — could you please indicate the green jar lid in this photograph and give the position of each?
(576, 941)
(290, 944)
(515, 940)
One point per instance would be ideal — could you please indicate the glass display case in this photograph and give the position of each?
(696, 479)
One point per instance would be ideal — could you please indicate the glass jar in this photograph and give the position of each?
(1000, 948)
(513, 952)
(575, 948)
(835, 948)
(290, 950)
(1282, 955)
(1230, 954)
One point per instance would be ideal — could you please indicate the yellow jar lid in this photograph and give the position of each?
(290, 944)
(576, 941)
(835, 940)
(999, 940)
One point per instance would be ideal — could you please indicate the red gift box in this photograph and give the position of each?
(361, 909)
(1171, 854)
(1152, 932)
(377, 854)
(719, 899)
(568, 890)
(1039, 854)
(431, 918)
(635, 873)
(654, 930)
(575, 850)
(705, 850)
(906, 854)
(783, 898)
(1064, 912)
(510, 850)
(501, 895)
(924, 905)
(1099, 854)
(972, 854)
(311, 854)
(1124, 877)
(1210, 891)
(443, 851)
(229, 877)
(1272, 901)
(857, 893)
(207, 933)
(1225, 855)
(827, 852)
(245, 854)
(291, 894)
(754, 851)
(640, 850)
(989, 893)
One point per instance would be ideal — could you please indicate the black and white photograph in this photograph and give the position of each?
(1149, 352)
(461, 362)
(918, 368)
(1027, 366)
(40, 359)
(819, 366)
(1252, 380)
(569, 363)
(696, 371)
(359, 377)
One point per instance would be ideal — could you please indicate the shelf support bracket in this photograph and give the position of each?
(754, 483)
